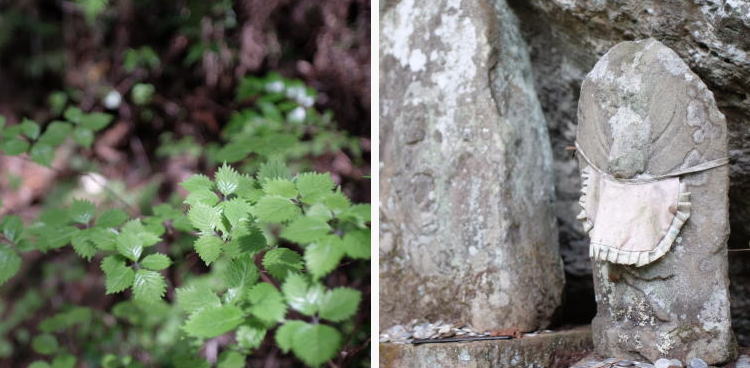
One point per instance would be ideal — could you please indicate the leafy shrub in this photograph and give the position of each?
(269, 237)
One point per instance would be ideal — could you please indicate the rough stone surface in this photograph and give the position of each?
(594, 361)
(678, 306)
(554, 350)
(468, 233)
(566, 38)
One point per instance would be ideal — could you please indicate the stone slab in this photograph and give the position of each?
(593, 361)
(547, 350)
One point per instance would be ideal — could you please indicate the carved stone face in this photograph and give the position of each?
(631, 134)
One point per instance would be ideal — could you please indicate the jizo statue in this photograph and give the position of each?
(653, 156)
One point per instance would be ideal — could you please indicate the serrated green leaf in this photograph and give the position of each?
(249, 240)
(55, 216)
(42, 154)
(233, 152)
(313, 187)
(356, 244)
(82, 211)
(96, 121)
(14, 146)
(12, 227)
(319, 210)
(204, 218)
(64, 361)
(10, 131)
(250, 336)
(271, 144)
(63, 320)
(231, 359)
(286, 332)
(54, 236)
(10, 263)
(280, 187)
(83, 244)
(324, 255)
(30, 128)
(336, 201)
(274, 209)
(193, 298)
(358, 214)
(208, 247)
(280, 261)
(156, 262)
(267, 303)
(247, 190)
(306, 229)
(213, 321)
(45, 344)
(55, 133)
(236, 210)
(103, 239)
(202, 196)
(340, 304)
(316, 344)
(130, 245)
(148, 286)
(146, 237)
(241, 272)
(197, 182)
(300, 295)
(273, 169)
(118, 276)
(83, 136)
(227, 179)
(73, 114)
(112, 218)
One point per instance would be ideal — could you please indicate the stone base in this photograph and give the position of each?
(593, 361)
(550, 350)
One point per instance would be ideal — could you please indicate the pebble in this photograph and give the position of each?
(644, 365)
(667, 363)
(423, 331)
(395, 333)
(415, 330)
(697, 363)
(625, 363)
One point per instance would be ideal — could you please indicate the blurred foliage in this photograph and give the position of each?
(264, 258)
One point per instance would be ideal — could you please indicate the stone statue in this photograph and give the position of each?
(653, 155)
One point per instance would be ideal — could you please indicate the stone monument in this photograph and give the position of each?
(467, 226)
(652, 149)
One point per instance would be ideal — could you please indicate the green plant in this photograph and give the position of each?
(268, 238)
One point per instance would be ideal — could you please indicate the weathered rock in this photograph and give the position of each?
(468, 232)
(552, 350)
(643, 113)
(566, 38)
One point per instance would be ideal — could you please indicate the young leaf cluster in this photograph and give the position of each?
(236, 218)
(40, 142)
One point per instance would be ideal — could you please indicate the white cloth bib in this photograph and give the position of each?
(632, 224)
(634, 221)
